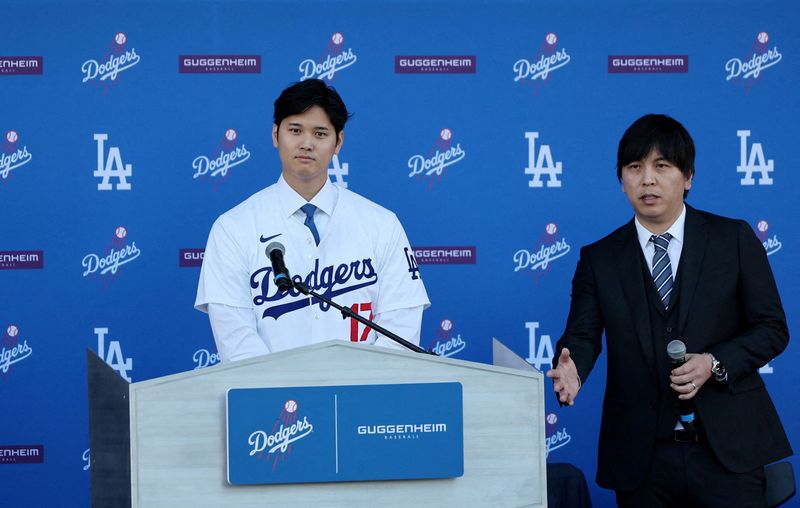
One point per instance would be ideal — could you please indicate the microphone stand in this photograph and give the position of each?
(347, 312)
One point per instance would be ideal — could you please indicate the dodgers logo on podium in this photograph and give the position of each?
(345, 433)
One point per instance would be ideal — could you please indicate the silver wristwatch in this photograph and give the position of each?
(720, 374)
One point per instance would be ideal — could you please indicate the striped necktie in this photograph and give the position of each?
(662, 269)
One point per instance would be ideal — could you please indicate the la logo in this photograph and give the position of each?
(542, 354)
(413, 267)
(543, 165)
(111, 167)
(754, 163)
(115, 359)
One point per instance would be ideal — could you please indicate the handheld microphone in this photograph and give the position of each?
(282, 279)
(676, 350)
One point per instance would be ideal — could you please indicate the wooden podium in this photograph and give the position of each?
(162, 442)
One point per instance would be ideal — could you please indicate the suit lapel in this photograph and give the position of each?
(695, 236)
(629, 267)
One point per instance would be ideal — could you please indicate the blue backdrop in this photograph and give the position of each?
(508, 112)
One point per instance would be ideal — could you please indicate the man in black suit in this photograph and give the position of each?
(674, 272)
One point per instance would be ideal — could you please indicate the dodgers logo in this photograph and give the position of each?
(11, 155)
(334, 59)
(442, 155)
(116, 254)
(413, 267)
(204, 358)
(87, 459)
(13, 350)
(117, 59)
(329, 281)
(549, 58)
(555, 437)
(548, 248)
(755, 162)
(542, 164)
(771, 243)
(540, 349)
(338, 171)
(111, 167)
(113, 354)
(445, 344)
(277, 443)
(226, 155)
(760, 57)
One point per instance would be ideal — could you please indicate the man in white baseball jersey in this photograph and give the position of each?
(340, 244)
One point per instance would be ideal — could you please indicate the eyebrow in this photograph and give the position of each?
(298, 124)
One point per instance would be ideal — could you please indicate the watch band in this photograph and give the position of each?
(717, 369)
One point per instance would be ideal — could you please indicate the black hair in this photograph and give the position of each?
(303, 95)
(661, 133)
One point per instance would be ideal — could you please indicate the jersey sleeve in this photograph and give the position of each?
(224, 275)
(399, 279)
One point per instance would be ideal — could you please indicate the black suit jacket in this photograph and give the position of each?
(728, 305)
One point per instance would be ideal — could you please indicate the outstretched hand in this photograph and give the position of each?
(565, 378)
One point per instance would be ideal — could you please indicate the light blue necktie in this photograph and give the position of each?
(662, 269)
(309, 210)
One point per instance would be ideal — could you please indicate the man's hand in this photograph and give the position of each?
(565, 378)
(689, 377)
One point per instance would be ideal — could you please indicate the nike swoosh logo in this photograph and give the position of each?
(265, 240)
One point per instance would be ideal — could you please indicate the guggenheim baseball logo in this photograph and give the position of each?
(435, 64)
(21, 259)
(14, 349)
(228, 154)
(445, 255)
(118, 58)
(648, 64)
(277, 443)
(21, 65)
(191, 258)
(219, 64)
(401, 430)
(334, 59)
(21, 454)
(11, 155)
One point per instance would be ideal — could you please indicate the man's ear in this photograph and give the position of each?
(339, 142)
(275, 135)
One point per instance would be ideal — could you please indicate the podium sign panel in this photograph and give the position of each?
(344, 433)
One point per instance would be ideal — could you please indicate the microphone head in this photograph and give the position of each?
(676, 350)
(275, 246)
